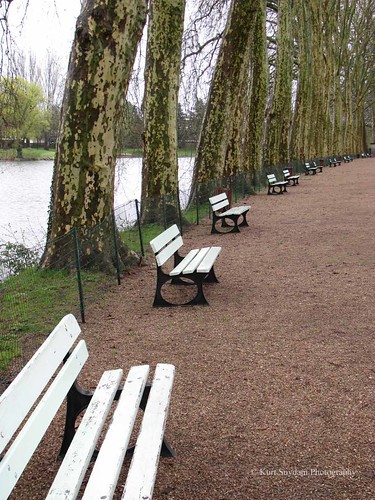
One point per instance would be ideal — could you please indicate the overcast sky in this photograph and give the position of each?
(45, 24)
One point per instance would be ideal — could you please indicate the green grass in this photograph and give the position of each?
(41, 154)
(34, 301)
(27, 154)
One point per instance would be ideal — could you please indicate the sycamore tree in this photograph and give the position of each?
(102, 57)
(22, 113)
(162, 77)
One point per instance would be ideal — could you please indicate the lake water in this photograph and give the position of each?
(25, 195)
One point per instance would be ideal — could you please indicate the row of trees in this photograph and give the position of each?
(30, 113)
(287, 79)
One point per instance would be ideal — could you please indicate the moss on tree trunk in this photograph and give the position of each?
(104, 48)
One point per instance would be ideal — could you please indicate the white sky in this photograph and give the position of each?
(45, 24)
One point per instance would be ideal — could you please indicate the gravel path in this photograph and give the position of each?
(274, 388)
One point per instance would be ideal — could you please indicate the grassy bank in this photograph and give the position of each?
(42, 154)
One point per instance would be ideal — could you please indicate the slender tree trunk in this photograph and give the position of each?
(254, 135)
(104, 48)
(279, 123)
(162, 76)
(224, 92)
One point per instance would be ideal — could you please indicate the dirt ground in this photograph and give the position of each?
(274, 389)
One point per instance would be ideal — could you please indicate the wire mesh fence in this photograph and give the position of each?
(33, 298)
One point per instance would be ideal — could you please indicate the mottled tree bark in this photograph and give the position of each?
(224, 92)
(279, 120)
(254, 135)
(104, 48)
(162, 75)
(300, 144)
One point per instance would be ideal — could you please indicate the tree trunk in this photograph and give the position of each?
(254, 135)
(224, 91)
(104, 48)
(162, 76)
(279, 123)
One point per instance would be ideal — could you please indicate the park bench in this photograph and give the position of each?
(32, 400)
(346, 159)
(338, 162)
(290, 178)
(310, 169)
(320, 167)
(275, 186)
(234, 214)
(332, 162)
(197, 266)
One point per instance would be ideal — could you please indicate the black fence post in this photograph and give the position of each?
(197, 201)
(79, 277)
(179, 211)
(139, 227)
(115, 244)
(164, 212)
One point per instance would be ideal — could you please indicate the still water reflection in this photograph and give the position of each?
(25, 195)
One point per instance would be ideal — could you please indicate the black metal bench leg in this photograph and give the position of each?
(78, 400)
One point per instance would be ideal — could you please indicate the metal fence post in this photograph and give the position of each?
(115, 244)
(179, 211)
(139, 228)
(164, 212)
(197, 201)
(79, 277)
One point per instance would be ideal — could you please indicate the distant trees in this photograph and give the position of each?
(22, 112)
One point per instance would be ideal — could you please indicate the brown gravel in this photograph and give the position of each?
(274, 388)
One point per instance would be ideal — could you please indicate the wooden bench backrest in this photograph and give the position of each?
(271, 178)
(219, 201)
(307, 164)
(286, 173)
(24, 391)
(166, 244)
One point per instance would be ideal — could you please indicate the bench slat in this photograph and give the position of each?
(194, 263)
(162, 239)
(236, 210)
(168, 251)
(221, 204)
(17, 457)
(209, 259)
(69, 477)
(179, 268)
(30, 382)
(217, 198)
(143, 468)
(104, 476)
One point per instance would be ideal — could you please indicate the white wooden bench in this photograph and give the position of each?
(197, 266)
(234, 214)
(290, 178)
(42, 386)
(310, 168)
(275, 186)
(347, 159)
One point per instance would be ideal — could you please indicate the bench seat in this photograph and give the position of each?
(42, 386)
(234, 214)
(197, 266)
